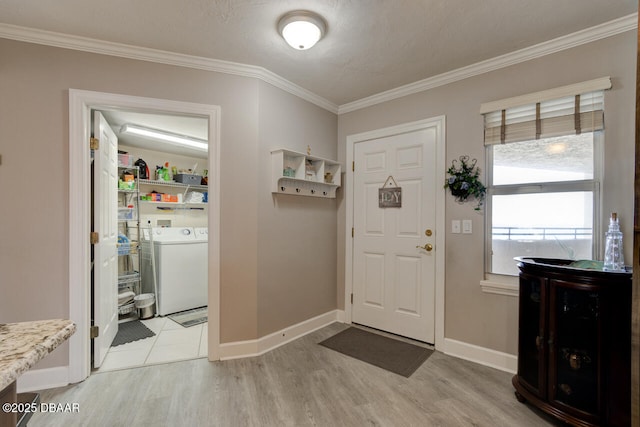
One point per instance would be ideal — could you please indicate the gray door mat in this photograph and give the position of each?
(396, 356)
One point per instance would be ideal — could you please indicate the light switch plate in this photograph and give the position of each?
(455, 226)
(467, 226)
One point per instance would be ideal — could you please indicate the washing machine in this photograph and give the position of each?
(180, 265)
(202, 233)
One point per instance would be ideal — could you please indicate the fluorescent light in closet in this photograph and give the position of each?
(172, 138)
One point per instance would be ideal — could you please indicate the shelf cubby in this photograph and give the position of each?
(303, 175)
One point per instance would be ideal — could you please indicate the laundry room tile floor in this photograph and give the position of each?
(172, 342)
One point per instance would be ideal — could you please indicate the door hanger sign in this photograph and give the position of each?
(390, 197)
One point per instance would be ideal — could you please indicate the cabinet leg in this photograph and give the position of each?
(520, 397)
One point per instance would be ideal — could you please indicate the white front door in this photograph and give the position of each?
(393, 278)
(105, 222)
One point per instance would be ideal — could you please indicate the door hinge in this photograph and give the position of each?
(94, 331)
(353, 166)
(353, 232)
(94, 143)
(94, 237)
(351, 299)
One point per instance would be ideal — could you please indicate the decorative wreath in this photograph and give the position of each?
(464, 181)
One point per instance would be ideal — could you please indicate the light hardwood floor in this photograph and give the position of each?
(298, 384)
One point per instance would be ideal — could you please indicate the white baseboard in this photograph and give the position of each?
(250, 348)
(484, 356)
(42, 379)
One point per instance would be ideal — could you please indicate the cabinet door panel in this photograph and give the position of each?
(575, 337)
(532, 339)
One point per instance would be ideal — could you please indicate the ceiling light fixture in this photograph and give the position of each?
(302, 29)
(172, 138)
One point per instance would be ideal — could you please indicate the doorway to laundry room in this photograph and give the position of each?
(91, 327)
(150, 262)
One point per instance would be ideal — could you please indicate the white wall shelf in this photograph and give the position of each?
(303, 175)
(172, 184)
(177, 189)
(152, 202)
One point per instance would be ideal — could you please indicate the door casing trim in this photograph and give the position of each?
(81, 103)
(439, 124)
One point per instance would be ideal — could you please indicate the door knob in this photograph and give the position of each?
(428, 247)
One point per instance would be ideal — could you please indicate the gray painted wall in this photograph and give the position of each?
(471, 316)
(296, 234)
(34, 135)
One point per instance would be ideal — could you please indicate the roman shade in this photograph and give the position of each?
(562, 111)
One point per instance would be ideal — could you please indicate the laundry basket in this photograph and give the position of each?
(145, 303)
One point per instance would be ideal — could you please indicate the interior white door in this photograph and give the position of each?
(393, 279)
(105, 222)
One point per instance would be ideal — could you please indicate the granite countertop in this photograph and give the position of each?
(24, 344)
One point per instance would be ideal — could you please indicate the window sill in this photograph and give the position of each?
(501, 285)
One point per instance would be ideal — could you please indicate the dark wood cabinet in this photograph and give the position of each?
(574, 343)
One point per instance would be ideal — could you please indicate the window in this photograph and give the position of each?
(543, 176)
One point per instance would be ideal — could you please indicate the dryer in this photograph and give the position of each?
(181, 268)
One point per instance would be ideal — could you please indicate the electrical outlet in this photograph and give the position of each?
(467, 226)
(455, 226)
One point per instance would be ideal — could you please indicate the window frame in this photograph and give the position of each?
(592, 185)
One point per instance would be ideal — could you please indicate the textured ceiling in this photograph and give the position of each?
(371, 45)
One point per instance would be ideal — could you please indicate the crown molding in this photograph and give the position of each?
(85, 44)
(608, 29)
(66, 41)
